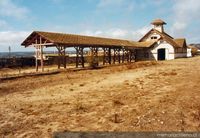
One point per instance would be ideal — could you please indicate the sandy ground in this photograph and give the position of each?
(143, 96)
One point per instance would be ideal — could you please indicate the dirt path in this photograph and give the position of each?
(162, 97)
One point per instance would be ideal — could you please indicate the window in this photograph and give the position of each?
(154, 37)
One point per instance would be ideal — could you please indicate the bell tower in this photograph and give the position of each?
(158, 25)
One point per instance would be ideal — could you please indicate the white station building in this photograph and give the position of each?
(165, 47)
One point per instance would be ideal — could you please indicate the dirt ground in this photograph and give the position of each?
(143, 96)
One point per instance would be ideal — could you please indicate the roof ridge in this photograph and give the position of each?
(82, 35)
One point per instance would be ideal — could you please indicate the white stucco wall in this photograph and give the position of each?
(189, 52)
(169, 50)
(159, 28)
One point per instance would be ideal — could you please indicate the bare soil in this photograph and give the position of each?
(143, 96)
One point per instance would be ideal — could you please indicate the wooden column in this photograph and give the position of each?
(128, 56)
(79, 56)
(119, 56)
(61, 56)
(132, 55)
(123, 50)
(41, 55)
(58, 57)
(64, 60)
(109, 55)
(36, 58)
(114, 56)
(106, 56)
(94, 55)
(36, 55)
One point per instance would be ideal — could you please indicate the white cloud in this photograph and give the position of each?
(119, 33)
(186, 12)
(112, 33)
(12, 37)
(140, 32)
(179, 26)
(8, 8)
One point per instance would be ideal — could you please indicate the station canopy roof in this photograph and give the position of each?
(70, 40)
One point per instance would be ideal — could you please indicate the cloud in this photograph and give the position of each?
(8, 8)
(111, 33)
(8, 38)
(140, 32)
(119, 33)
(186, 12)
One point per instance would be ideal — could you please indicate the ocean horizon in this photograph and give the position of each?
(27, 53)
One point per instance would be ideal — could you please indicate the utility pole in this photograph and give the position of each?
(9, 50)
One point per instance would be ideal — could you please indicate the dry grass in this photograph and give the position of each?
(143, 96)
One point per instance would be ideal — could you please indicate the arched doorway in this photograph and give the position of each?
(161, 54)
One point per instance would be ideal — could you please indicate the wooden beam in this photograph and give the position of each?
(41, 54)
(36, 57)
(45, 44)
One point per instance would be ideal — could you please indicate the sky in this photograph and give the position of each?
(123, 19)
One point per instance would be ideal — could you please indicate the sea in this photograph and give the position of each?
(26, 54)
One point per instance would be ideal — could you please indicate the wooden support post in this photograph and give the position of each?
(128, 55)
(79, 57)
(135, 55)
(58, 57)
(119, 56)
(41, 55)
(114, 56)
(94, 56)
(123, 50)
(132, 55)
(61, 57)
(36, 60)
(106, 56)
(64, 56)
(36, 56)
(109, 56)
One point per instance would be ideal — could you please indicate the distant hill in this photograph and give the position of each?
(195, 45)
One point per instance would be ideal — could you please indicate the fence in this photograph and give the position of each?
(16, 62)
